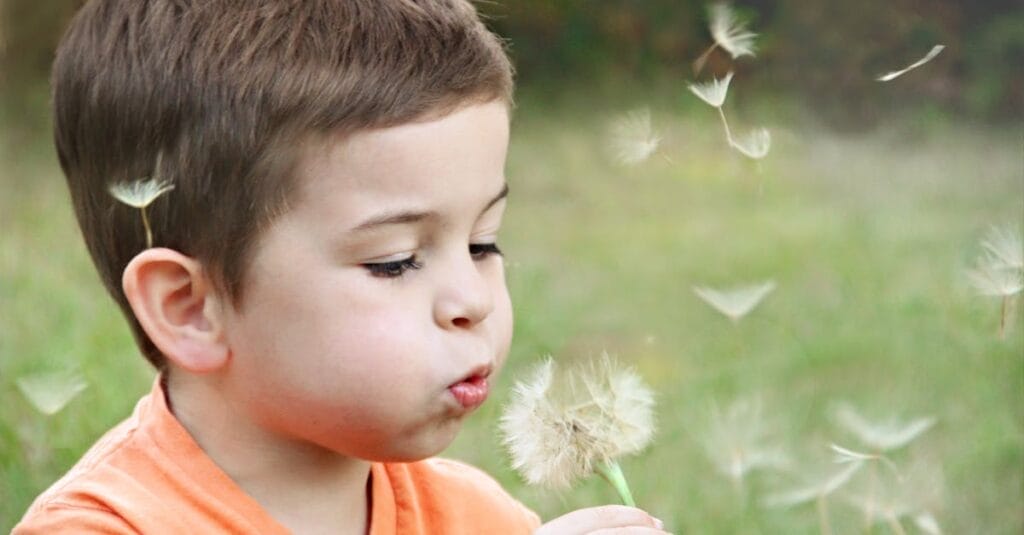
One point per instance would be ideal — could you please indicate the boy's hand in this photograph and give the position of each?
(603, 520)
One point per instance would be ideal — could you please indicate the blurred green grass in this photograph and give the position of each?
(867, 236)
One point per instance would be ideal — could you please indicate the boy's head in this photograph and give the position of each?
(234, 99)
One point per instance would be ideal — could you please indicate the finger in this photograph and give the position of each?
(633, 530)
(597, 518)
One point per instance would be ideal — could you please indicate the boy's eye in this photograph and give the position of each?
(482, 250)
(390, 270)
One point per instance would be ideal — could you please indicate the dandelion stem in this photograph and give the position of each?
(612, 473)
(728, 133)
(826, 528)
(145, 223)
(698, 64)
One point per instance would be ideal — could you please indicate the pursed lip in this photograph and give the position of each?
(472, 390)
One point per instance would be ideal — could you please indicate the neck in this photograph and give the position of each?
(305, 487)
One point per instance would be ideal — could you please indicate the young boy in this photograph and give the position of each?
(324, 299)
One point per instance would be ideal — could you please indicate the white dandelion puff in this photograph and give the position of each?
(713, 92)
(881, 436)
(1004, 247)
(729, 32)
(631, 138)
(737, 441)
(140, 194)
(50, 392)
(560, 426)
(928, 57)
(754, 145)
(735, 303)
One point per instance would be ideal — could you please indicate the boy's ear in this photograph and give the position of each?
(176, 304)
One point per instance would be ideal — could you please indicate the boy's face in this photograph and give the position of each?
(376, 304)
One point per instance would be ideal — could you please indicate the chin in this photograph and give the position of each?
(423, 447)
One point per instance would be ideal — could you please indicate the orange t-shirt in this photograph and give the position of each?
(147, 475)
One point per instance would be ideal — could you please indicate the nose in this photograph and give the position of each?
(464, 296)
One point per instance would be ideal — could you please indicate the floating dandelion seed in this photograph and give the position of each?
(817, 491)
(562, 427)
(713, 92)
(736, 441)
(729, 32)
(737, 302)
(927, 523)
(814, 490)
(754, 145)
(847, 456)
(997, 273)
(1004, 247)
(884, 436)
(632, 139)
(995, 280)
(140, 194)
(892, 496)
(51, 392)
(928, 57)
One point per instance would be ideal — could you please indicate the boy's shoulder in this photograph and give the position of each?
(443, 495)
(146, 475)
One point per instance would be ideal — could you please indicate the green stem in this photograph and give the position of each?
(612, 473)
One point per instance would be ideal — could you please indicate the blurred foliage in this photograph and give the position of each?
(825, 54)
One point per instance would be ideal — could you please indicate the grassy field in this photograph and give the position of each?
(866, 235)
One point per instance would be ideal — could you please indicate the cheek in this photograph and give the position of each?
(504, 323)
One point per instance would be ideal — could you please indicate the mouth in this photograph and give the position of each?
(471, 391)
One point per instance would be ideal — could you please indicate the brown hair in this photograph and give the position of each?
(224, 93)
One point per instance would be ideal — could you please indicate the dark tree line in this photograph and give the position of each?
(826, 53)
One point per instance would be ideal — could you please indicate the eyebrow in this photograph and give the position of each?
(407, 216)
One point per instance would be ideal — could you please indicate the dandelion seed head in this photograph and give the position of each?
(713, 92)
(560, 425)
(139, 193)
(754, 145)
(631, 138)
(735, 303)
(729, 32)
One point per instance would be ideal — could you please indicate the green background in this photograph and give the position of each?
(866, 213)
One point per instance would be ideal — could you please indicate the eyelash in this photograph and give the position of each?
(391, 270)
